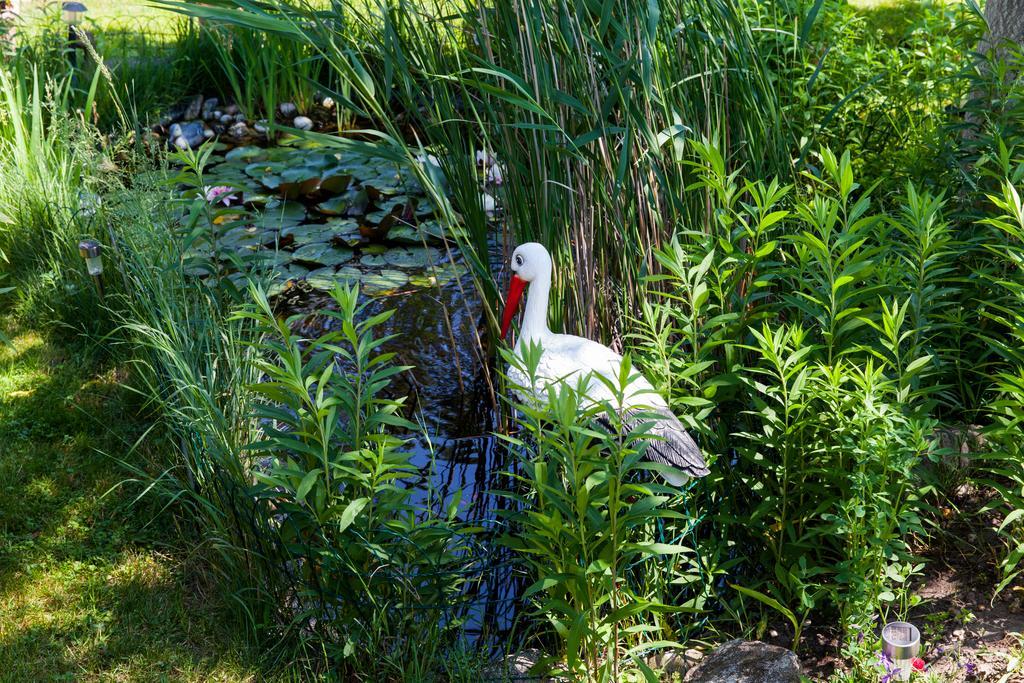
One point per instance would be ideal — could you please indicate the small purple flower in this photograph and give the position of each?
(890, 670)
(860, 637)
(970, 669)
(221, 193)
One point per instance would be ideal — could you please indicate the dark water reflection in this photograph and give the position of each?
(438, 332)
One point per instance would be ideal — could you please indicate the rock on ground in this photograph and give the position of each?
(671, 662)
(744, 661)
(516, 667)
(193, 108)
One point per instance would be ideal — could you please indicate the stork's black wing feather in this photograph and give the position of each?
(671, 445)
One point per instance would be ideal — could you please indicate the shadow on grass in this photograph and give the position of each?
(92, 585)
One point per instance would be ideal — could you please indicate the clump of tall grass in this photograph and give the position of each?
(56, 162)
(586, 114)
(292, 465)
(260, 70)
(45, 155)
(116, 77)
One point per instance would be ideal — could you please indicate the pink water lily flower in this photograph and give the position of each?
(221, 193)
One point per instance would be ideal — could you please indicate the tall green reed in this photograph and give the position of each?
(585, 109)
(260, 70)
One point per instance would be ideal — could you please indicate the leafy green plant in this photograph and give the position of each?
(771, 335)
(292, 462)
(1002, 466)
(586, 525)
(334, 474)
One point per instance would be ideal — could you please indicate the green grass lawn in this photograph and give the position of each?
(130, 15)
(89, 587)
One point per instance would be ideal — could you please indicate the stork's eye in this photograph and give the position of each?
(519, 260)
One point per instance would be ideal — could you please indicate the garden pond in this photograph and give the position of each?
(310, 218)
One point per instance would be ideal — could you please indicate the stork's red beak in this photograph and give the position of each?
(515, 293)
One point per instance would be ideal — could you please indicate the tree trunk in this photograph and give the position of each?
(1005, 22)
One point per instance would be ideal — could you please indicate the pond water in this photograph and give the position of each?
(316, 218)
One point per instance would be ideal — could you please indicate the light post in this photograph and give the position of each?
(73, 13)
(901, 643)
(91, 251)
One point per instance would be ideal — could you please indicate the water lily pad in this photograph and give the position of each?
(335, 206)
(280, 215)
(279, 287)
(268, 173)
(384, 281)
(295, 271)
(323, 253)
(305, 233)
(412, 257)
(424, 280)
(279, 153)
(278, 259)
(433, 229)
(404, 234)
(373, 260)
(298, 182)
(256, 259)
(259, 169)
(255, 198)
(285, 277)
(329, 278)
(226, 219)
(385, 184)
(336, 256)
(311, 251)
(448, 272)
(246, 153)
(344, 231)
(392, 203)
(247, 236)
(335, 181)
(322, 278)
(228, 176)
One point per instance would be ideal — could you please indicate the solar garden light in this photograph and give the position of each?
(901, 643)
(72, 13)
(90, 250)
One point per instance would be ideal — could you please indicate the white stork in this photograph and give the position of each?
(566, 358)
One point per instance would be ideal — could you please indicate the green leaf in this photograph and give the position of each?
(306, 484)
(350, 513)
(771, 602)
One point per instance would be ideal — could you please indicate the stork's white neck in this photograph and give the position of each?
(535, 319)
